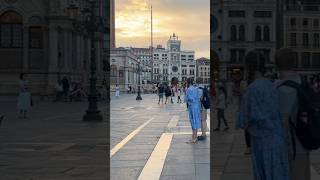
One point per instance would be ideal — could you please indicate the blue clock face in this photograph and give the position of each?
(214, 23)
(175, 69)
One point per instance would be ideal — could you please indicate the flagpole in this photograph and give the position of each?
(151, 35)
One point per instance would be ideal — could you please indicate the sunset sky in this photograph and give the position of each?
(189, 19)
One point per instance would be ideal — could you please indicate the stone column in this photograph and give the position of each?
(25, 63)
(66, 50)
(53, 58)
(53, 49)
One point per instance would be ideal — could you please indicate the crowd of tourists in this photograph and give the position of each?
(66, 91)
(169, 93)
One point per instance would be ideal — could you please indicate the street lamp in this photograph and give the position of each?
(92, 25)
(139, 98)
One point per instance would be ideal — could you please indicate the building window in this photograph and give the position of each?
(258, 33)
(11, 30)
(121, 73)
(233, 32)
(233, 56)
(263, 14)
(305, 59)
(266, 33)
(241, 33)
(113, 72)
(237, 14)
(316, 40)
(35, 38)
(241, 55)
(305, 39)
(305, 22)
(293, 39)
(316, 60)
(316, 23)
(293, 21)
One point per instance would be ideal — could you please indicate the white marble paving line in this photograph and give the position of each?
(128, 138)
(173, 122)
(154, 166)
(189, 133)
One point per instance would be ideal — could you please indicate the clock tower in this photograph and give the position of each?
(174, 48)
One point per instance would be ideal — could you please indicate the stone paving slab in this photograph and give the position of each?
(183, 161)
(53, 143)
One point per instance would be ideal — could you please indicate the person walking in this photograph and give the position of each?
(66, 88)
(179, 95)
(259, 115)
(167, 93)
(1, 118)
(24, 98)
(117, 91)
(205, 104)
(192, 98)
(289, 104)
(59, 90)
(160, 93)
(242, 89)
(172, 94)
(221, 105)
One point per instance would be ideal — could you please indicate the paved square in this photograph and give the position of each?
(149, 155)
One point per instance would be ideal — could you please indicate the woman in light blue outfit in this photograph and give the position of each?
(24, 97)
(259, 115)
(192, 98)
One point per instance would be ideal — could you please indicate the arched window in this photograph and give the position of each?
(258, 33)
(233, 32)
(242, 33)
(266, 33)
(113, 72)
(11, 30)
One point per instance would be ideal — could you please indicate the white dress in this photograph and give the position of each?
(24, 97)
(117, 91)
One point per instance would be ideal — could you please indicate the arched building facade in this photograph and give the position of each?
(38, 38)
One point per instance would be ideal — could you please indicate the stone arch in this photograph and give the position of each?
(35, 20)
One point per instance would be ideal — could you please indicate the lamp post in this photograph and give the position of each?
(91, 25)
(139, 98)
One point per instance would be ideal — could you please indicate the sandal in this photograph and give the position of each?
(192, 141)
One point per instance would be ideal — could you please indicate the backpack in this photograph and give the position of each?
(206, 102)
(307, 129)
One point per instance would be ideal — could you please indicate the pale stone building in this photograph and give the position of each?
(301, 32)
(144, 56)
(124, 69)
(173, 64)
(169, 63)
(238, 27)
(38, 38)
(203, 71)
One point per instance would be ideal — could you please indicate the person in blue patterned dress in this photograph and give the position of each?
(259, 114)
(192, 98)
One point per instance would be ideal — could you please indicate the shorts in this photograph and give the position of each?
(160, 95)
(203, 115)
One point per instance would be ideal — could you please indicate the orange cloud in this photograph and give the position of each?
(189, 19)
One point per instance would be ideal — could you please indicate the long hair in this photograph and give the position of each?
(254, 62)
